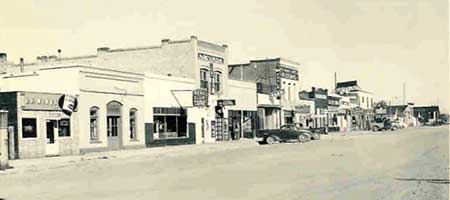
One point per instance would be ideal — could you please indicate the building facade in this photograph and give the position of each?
(361, 103)
(130, 98)
(278, 85)
(427, 115)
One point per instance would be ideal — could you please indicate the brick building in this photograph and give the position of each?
(278, 85)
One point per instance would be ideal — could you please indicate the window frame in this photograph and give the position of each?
(217, 81)
(204, 80)
(35, 128)
(162, 116)
(134, 118)
(69, 128)
(96, 130)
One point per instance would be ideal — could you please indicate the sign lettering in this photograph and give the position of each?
(210, 58)
(200, 98)
(226, 102)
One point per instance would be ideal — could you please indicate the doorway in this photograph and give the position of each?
(52, 145)
(114, 125)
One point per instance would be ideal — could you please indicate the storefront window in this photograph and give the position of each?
(64, 128)
(170, 122)
(204, 78)
(133, 118)
(94, 124)
(29, 128)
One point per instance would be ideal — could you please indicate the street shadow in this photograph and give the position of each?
(436, 181)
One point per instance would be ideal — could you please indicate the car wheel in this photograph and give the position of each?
(316, 136)
(376, 129)
(302, 138)
(270, 140)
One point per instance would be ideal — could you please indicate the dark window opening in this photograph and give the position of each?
(64, 128)
(29, 128)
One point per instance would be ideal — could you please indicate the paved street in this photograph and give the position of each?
(407, 164)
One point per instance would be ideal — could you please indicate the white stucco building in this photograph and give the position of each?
(127, 98)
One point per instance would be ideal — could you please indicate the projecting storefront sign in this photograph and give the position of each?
(200, 98)
(278, 80)
(226, 102)
(303, 109)
(210, 58)
(68, 103)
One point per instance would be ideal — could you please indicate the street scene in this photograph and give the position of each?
(408, 164)
(165, 99)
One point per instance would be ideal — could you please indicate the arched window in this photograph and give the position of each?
(133, 121)
(94, 123)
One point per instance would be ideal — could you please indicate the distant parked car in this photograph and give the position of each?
(385, 124)
(286, 133)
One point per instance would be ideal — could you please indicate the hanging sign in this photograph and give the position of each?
(68, 103)
(200, 98)
(226, 102)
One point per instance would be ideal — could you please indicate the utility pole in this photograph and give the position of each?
(404, 93)
(335, 81)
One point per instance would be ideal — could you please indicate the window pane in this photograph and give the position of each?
(133, 124)
(171, 122)
(94, 123)
(159, 125)
(64, 128)
(29, 128)
(182, 126)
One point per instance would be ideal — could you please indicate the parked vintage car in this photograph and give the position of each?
(385, 124)
(320, 130)
(286, 133)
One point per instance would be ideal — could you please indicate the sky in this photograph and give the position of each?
(381, 43)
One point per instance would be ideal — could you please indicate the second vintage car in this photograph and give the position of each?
(286, 133)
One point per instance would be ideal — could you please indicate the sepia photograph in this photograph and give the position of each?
(225, 100)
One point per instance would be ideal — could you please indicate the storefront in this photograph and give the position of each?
(41, 127)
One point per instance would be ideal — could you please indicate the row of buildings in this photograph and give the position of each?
(177, 92)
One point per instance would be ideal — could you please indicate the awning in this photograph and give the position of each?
(269, 106)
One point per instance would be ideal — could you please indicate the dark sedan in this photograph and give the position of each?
(285, 134)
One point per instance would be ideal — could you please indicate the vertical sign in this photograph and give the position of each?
(211, 72)
(278, 81)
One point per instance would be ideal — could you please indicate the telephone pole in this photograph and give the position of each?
(404, 93)
(335, 81)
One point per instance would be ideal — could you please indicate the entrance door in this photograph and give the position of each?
(114, 125)
(52, 146)
(113, 133)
